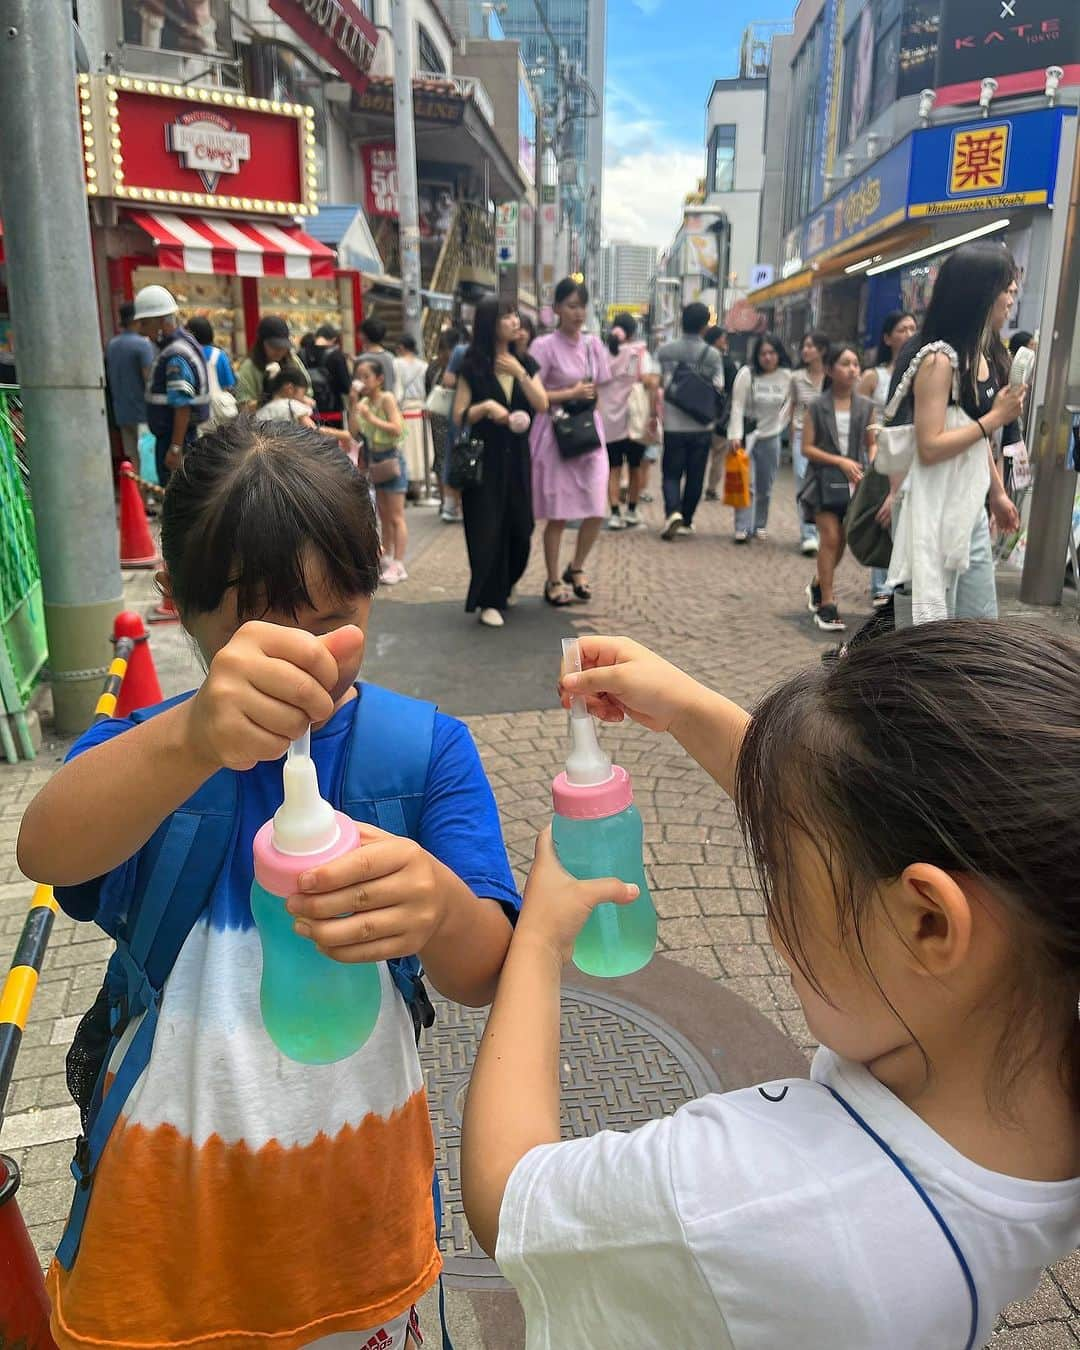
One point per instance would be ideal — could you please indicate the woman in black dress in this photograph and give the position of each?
(496, 396)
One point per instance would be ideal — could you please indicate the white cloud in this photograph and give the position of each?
(644, 191)
(648, 6)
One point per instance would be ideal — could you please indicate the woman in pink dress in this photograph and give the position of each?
(571, 365)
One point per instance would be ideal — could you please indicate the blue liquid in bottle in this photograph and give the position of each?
(315, 1010)
(616, 939)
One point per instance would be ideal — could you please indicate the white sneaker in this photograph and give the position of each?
(615, 522)
(399, 568)
(809, 548)
(391, 572)
(491, 618)
(742, 536)
(686, 529)
(633, 517)
(672, 525)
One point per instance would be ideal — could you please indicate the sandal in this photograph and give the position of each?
(556, 594)
(581, 590)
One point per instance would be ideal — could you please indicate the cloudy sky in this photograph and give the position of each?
(662, 58)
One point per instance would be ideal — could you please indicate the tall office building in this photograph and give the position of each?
(626, 271)
(579, 28)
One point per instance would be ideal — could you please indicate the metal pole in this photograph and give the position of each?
(405, 138)
(54, 310)
(1050, 519)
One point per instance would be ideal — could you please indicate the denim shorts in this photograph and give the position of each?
(398, 484)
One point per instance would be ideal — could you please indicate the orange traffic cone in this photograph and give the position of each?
(165, 612)
(136, 542)
(24, 1305)
(140, 687)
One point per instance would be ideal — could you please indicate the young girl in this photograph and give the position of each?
(283, 389)
(930, 1167)
(837, 428)
(762, 390)
(630, 367)
(244, 1199)
(374, 414)
(806, 383)
(942, 565)
(572, 363)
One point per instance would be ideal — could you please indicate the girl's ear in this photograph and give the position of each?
(932, 913)
(164, 585)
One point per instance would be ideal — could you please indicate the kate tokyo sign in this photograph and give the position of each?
(337, 31)
(208, 143)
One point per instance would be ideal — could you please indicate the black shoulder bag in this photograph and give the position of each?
(692, 393)
(574, 422)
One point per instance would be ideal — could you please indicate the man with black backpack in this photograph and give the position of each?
(692, 374)
(330, 375)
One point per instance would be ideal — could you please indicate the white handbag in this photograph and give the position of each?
(638, 409)
(440, 401)
(896, 444)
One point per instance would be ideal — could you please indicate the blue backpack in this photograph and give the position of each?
(382, 784)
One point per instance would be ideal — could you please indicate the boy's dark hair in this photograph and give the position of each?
(408, 343)
(374, 330)
(1019, 339)
(695, 318)
(714, 333)
(248, 501)
(955, 744)
(127, 313)
(201, 329)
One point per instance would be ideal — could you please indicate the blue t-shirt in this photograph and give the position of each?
(128, 359)
(459, 822)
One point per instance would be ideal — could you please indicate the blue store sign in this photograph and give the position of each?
(996, 163)
(871, 203)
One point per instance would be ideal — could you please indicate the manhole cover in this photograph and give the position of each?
(621, 1066)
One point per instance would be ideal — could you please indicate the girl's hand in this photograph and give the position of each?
(265, 687)
(508, 364)
(556, 904)
(497, 413)
(382, 900)
(884, 514)
(850, 468)
(1008, 405)
(621, 678)
(1003, 509)
(588, 389)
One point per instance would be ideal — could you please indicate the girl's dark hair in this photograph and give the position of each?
(770, 340)
(375, 365)
(201, 329)
(884, 355)
(527, 326)
(970, 280)
(480, 357)
(955, 744)
(568, 287)
(407, 343)
(251, 504)
(1019, 339)
(272, 328)
(820, 341)
(275, 377)
(833, 353)
(628, 324)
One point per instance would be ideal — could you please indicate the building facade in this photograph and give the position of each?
(912, 126)
(567, 57)
(626, 272)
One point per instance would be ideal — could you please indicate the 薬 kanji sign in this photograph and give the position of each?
(979, 159)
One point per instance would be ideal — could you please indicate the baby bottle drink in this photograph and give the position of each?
(316, 1010)
(597, 833)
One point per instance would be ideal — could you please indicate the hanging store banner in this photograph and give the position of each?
(1013, 43)
(169, 145)
(999, 163)
(337, 30)
(381, 180)
(506, 233)
(874, 201)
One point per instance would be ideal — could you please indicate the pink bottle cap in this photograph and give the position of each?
(279, 873)
(593, 801)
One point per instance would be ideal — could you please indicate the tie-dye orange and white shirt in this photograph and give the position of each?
(243, 1199)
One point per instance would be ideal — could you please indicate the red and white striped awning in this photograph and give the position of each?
(188, 243)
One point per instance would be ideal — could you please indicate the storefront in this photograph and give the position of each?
(877, 245)
(200, 190)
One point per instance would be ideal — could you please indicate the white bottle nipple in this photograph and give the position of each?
(305, 822)
(586, 764)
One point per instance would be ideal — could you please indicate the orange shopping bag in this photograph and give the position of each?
(737, 479)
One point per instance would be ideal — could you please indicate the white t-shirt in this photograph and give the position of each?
(843, 431)
(283, 410)
(769, 1217)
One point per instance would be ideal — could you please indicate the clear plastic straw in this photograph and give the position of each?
(571, 650)
(301, 747)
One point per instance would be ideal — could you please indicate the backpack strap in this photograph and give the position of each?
(174, 882)
(386, 768)
(908, 377)
(935, 1213)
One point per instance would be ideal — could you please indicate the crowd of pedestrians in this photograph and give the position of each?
(512, 428)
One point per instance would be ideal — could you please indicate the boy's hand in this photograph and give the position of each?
(620, 678)
(382, 900)
(265, 686)
(556, 904)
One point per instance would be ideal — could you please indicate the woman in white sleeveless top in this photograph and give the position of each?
(897, 328)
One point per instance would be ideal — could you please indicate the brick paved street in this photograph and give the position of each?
(735, 617)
